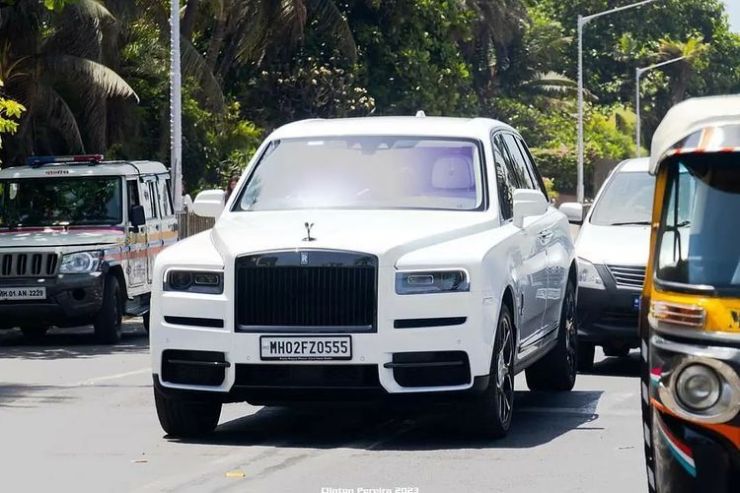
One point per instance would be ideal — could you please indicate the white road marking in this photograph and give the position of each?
(96, 380)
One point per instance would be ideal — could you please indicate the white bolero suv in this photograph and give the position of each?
(366, 258)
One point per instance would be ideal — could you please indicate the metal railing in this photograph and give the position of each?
(191, 224)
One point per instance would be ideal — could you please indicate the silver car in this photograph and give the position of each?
(612, 248)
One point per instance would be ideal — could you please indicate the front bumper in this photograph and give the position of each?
(368, 374)
(609, 316)
(691, 454)
(71, 299)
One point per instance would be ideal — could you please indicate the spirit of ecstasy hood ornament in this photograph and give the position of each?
(308, 237)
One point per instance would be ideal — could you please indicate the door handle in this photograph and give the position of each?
(545, 235)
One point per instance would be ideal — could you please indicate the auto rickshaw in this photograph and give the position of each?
(690, 304)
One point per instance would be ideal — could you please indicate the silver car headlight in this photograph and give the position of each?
(427, 282)
(588, 276)
(80, 262)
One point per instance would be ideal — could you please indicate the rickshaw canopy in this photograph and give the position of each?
(699, 125)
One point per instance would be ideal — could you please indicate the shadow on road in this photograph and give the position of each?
(22, 396)
(73, 343)
(539, 417)
(628, 366)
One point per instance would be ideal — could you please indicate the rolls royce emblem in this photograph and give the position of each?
(309, 227)
(304, 258)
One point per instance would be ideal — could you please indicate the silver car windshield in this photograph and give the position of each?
(626, 200)
(366, 172)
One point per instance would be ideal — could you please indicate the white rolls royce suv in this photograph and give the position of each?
(369, 258)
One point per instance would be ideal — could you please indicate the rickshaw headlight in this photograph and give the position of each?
(698, 387)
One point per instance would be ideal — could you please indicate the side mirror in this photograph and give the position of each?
(209, 203)
(136, 216)
(573, 211)
(528, 203)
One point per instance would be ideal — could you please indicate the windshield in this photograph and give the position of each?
(700, 229)
(60, 201)
(366, 173)
(627, 199)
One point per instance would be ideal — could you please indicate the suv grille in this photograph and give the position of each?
(319, 291)
(628, 276)
(28, 264)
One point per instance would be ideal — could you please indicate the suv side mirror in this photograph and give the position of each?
(136, 216)
(573, 211)
(209, 203)
(528, 203)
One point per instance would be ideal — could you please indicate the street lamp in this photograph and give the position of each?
(582, 21)
(175, 106)
(638, 74)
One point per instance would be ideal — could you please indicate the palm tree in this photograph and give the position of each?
(693, 51)
(54, 64)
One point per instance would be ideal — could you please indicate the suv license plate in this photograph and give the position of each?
(22, 294)
(305, 348)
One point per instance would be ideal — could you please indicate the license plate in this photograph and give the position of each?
(22, 294)
(305, 348)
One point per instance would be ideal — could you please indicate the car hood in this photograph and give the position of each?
(387, 234)
(55, 238)
(615, 245)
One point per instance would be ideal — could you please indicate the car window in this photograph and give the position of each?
(529, 161)
(627, 199)
(133, 193)
(523, 176)
(150, 201)
(504, 178)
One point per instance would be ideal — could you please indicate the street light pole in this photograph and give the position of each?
(582, 21)
(638, 74)
(175, 106)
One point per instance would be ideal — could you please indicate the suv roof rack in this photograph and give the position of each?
(90, 159)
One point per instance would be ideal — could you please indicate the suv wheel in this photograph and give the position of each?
(492, 411)
(557, 369)
(108, 320)
(34, 332)
(183, 419)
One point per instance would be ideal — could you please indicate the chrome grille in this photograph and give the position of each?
(627, 276)
(43, 264)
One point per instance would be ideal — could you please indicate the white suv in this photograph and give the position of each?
(365, 258)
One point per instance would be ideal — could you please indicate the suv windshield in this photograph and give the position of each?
(700, 229)
(366, 173)
(627, 199)
(60, 201)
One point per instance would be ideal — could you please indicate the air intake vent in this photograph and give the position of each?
(28, 264)
(628, 276)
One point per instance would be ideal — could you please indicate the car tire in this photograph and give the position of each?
(107, 322)
(586, 352)
(186, 419)
(492, 410)
(34, 332)
(557, 369)
(145, 321)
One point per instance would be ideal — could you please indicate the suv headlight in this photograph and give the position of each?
(80, 262)
(588, 276)
(205, 282)
(447, 281)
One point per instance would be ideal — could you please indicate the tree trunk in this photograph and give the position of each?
(188, 19)
(217, 41)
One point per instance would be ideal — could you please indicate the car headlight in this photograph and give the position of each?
(205, 282)
(698, 387)
(447, 281)
(80, 262)
(588, 276)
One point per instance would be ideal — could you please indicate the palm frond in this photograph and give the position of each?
(194, 65)
(53, 111)
(87, 72)
(331, 19)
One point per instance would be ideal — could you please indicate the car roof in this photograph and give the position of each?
(635, 165)
(105, 168)
(418, 126)
(691, 126)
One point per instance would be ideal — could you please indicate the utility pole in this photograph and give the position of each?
(638, 75)
(175, 106)
(582, 21)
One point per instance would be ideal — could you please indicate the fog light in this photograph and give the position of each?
(698, 387)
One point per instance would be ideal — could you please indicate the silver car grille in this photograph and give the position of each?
(627, 276)
(41, 264)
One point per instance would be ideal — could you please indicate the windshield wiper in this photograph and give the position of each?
(630, 223)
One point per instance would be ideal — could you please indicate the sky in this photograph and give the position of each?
(733, 9)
